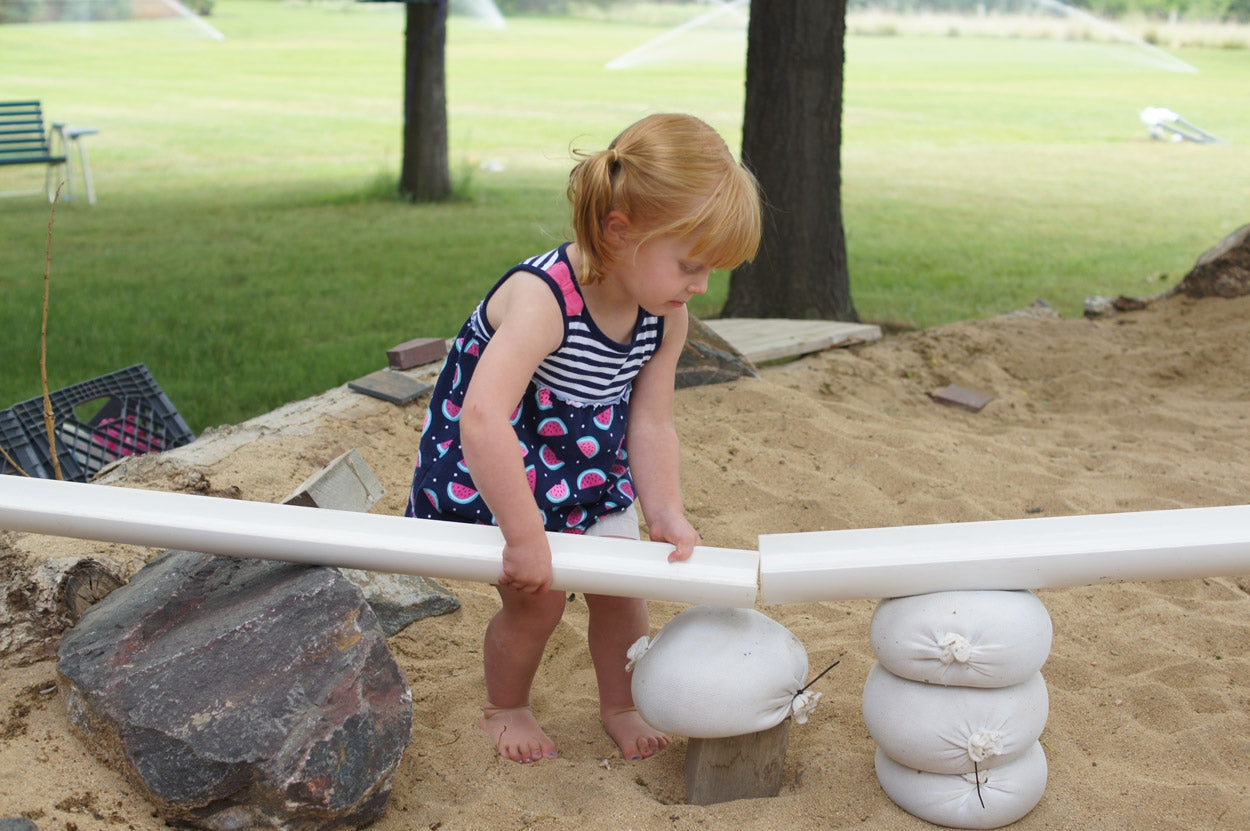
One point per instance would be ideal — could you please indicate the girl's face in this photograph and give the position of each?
(662, 275)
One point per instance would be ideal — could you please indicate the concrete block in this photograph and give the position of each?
(390, 385)
(346, 484)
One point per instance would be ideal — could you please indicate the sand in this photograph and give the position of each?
(1149, 723)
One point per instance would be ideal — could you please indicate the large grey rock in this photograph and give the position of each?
(17, 824)
(240, 693)
(707, 358)
(401, 599)
(1223, 271)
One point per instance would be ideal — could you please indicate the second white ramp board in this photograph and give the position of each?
(1048, 552)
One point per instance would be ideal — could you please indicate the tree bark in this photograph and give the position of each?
(791, 140)
(426, 174)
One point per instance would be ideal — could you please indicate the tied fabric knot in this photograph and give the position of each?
(983, 744)
(802, 705)
(955, 648)
(635, 652)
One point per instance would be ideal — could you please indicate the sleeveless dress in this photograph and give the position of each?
(570, 423)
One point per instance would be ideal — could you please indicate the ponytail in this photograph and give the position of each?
(590, 192)
(670, 175)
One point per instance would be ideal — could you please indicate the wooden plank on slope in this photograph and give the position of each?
(771, 339)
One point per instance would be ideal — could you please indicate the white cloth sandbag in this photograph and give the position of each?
(952, 729)
(1009, 791)
(714, 672)
(963, 638)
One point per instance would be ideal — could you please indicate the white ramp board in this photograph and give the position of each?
(316, 536)
(1042, 553)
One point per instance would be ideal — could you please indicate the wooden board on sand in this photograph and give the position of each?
(770, 339)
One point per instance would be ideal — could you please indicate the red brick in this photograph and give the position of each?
(416, 352)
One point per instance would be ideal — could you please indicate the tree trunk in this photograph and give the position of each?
(791, 140)
(426, 175)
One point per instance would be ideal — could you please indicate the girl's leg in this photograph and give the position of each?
(615, 623)
(515, 641)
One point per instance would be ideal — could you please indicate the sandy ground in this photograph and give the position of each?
(1149, 723)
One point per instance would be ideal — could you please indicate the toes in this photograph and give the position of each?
(514, 754)
(642, 748)
(516, 735)
(635, 738)
(534, 751)
(649, 745)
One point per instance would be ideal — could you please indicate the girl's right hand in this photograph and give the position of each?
(527, 567)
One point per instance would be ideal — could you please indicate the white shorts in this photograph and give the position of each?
(622, 523)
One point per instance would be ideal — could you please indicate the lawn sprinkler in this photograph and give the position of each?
(1162, 123)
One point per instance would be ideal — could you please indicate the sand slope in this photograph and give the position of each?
(1150, 682)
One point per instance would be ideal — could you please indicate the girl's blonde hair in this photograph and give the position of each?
(671, 175)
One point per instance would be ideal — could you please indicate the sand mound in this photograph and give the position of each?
(1149, 682)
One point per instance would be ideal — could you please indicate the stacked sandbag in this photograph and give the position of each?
(956, 704)
(713, 672)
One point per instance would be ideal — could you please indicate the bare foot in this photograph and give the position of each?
(636, 739)
(516, 733)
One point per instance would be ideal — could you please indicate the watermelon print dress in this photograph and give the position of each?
(570, 424)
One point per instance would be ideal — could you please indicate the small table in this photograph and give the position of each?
(73, 135)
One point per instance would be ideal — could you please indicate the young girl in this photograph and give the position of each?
(555, 407)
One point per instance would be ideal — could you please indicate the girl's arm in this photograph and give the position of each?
(651, 442)
(528, 327)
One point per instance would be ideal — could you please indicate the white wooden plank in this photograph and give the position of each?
(424, 547)
(771, 339)
(1005, 554)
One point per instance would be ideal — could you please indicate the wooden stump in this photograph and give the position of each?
(42, 597)
(84, 584)
(737, 767)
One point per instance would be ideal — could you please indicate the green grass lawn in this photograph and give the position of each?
(248, 248)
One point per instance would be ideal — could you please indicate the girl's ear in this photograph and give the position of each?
(616, 229)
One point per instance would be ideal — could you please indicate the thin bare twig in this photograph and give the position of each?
(818, 677)
(13, 463)
(49, 420)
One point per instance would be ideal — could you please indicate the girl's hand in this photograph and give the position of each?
(651, 439)
(679, 533)
(527, 567)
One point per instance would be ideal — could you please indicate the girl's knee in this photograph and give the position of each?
(537, 612)
(626, 616)
(615, 605)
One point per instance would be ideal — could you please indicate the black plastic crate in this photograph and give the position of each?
(17, 444)
(124, 413)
